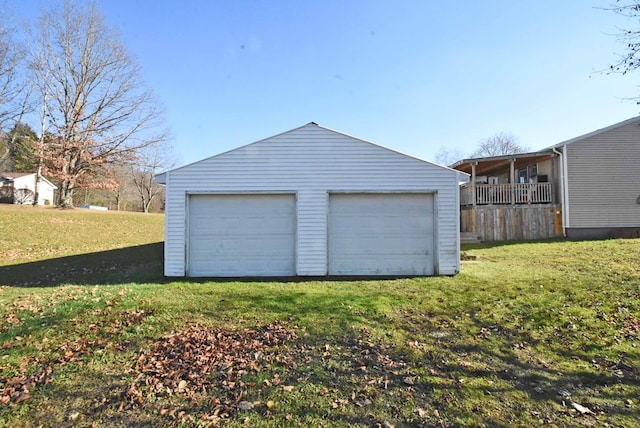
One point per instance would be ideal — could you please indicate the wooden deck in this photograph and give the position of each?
(506, 194)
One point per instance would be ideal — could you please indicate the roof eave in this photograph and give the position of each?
(635, 119)
(161, 178)
(502, 157)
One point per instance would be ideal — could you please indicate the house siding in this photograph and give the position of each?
(603, 186)
(311, 251)
(45, 190)
(312, 162)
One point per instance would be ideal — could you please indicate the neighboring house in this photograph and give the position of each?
(19, 188)
(584, 188)
(311, 202)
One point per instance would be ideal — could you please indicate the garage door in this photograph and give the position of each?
(241, 235)
(381, 234)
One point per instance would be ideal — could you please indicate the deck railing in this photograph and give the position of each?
(505, 194)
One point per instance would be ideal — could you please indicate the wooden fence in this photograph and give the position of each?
(512, 222)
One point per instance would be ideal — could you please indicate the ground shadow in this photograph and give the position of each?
(141, 263)
(495, 244)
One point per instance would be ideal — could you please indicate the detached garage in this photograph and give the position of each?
(311, 202)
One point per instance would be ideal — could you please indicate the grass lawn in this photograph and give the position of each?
(527, 334)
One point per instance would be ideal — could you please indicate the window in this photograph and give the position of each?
(523, 175)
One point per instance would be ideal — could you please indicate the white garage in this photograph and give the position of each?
(311, 202)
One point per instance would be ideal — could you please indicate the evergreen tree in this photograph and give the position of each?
(20, 143)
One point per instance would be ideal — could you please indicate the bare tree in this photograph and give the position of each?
(497, 145)
(630, 60)
(150, 161)
(98, 110)
(446, 156)
(121, 192)
(11, 84)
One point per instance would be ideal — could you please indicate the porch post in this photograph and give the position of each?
(512, 178)
(473, 183)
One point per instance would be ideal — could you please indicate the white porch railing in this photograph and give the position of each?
(504, 194)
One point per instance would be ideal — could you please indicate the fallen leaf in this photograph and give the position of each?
(409, 380)
(580, 408)
(245, 405)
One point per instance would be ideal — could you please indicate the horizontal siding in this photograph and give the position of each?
(175, 231)
(312, 233)
(448, 227)
(312, 161)
(603, 181)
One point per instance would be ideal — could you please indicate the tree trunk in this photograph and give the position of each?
(65, 197)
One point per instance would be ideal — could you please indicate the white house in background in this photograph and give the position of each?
(19, 188)
(311, 202)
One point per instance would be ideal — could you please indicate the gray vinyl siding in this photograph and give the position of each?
(603, 179)
(312, 162)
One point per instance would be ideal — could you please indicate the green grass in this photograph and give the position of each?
(48, 246)
(519, 335)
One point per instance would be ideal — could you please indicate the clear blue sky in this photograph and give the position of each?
(410, 75)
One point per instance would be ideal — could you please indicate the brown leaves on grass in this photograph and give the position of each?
(206, 366)
(17, 388)
(212, 374)
(631, 328)
(358, 371)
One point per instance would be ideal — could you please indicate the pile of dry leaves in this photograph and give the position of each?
(18, 388)
(205, 366)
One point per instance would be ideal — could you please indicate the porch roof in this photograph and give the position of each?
(491, 164)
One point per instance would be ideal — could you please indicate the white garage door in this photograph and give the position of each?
(241, 235)
(381, 234)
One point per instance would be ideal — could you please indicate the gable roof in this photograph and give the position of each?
(596, 132)
(161, 178)
(12, 176)
(491, 163)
